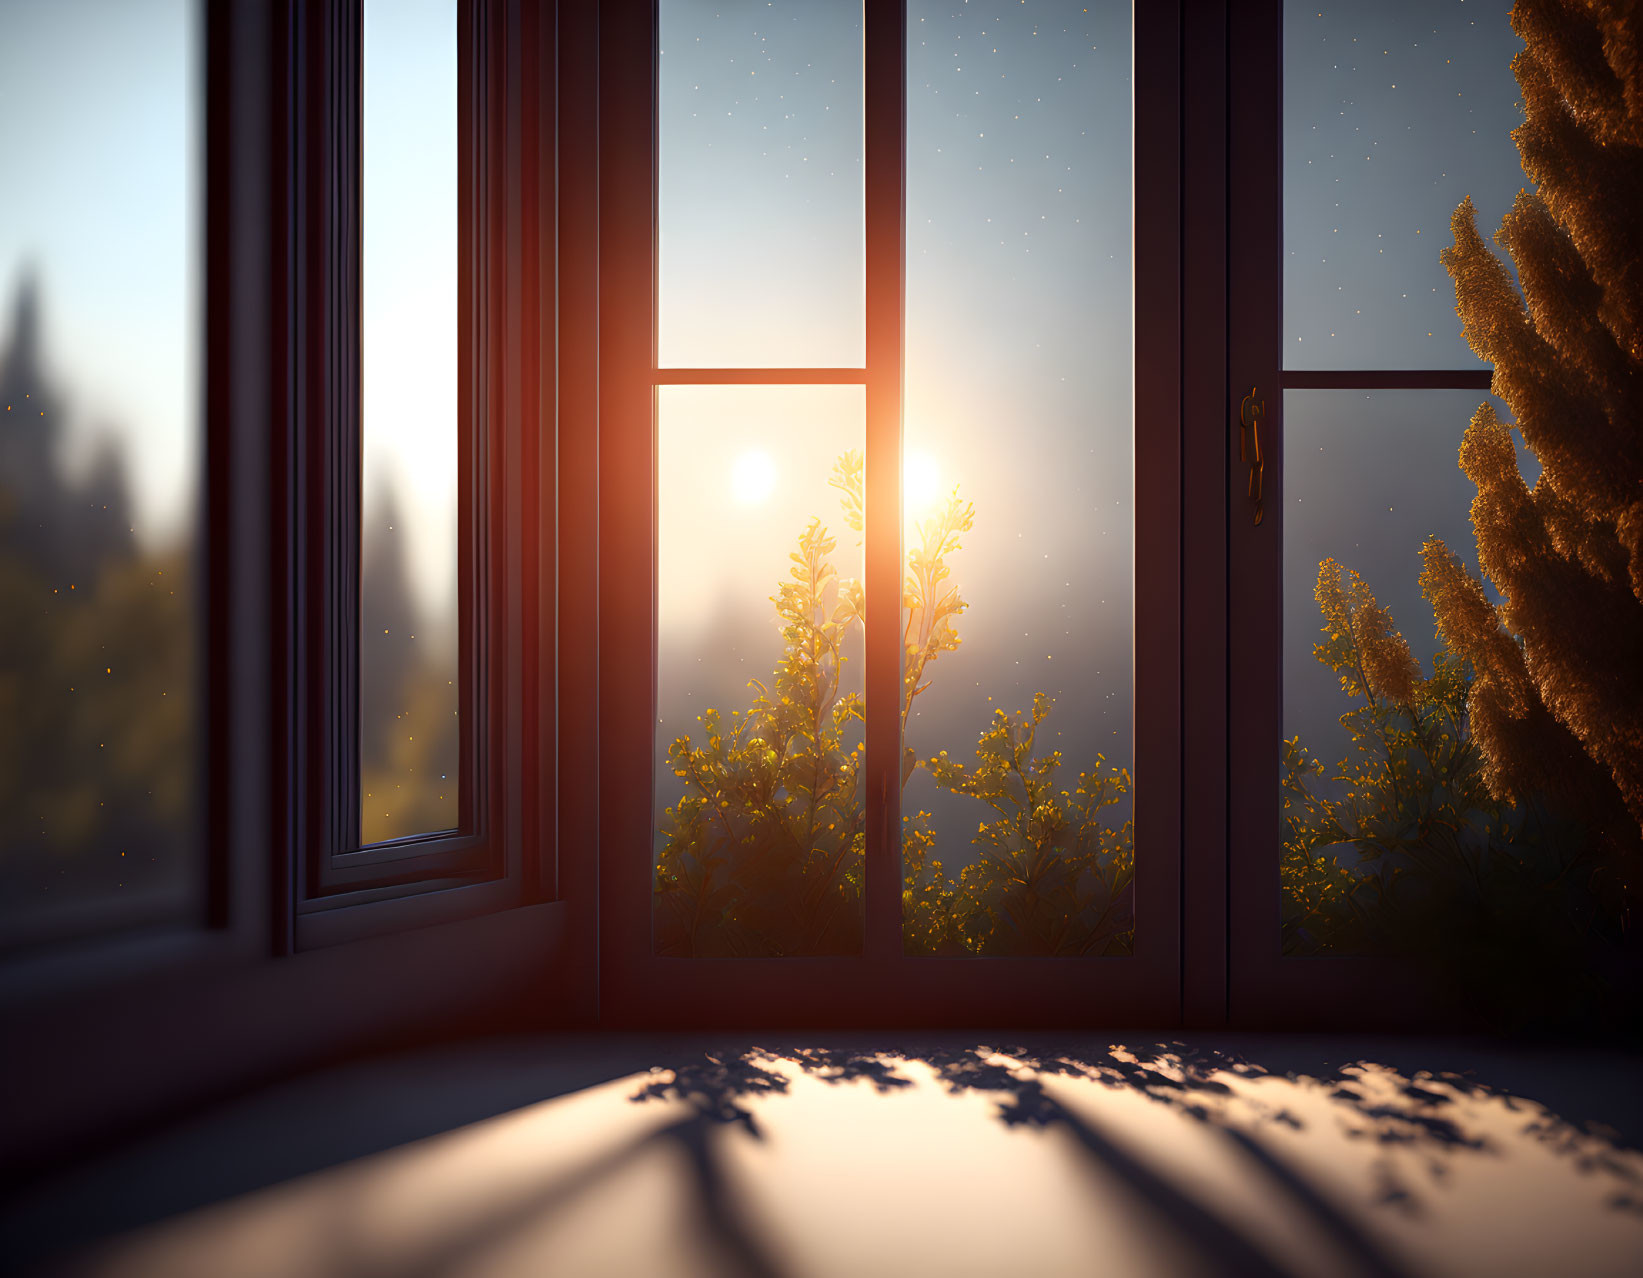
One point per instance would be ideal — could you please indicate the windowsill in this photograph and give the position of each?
(101, 1064)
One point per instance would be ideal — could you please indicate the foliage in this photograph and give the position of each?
(1409, 801)
(98, 666)
(1557, 704)
(1403, 850)
(97, 749)
(1052, 877)
(765, 851)
(1489, 813)
(410, 738)
(409, 770)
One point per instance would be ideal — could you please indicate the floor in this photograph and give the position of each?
(1117, 1154)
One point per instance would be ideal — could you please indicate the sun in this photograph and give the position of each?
(752, 478)
(920, 482)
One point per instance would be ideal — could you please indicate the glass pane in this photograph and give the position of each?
(760, 841)
(410, 725)
(761, 243)
(1393, 114)
(1392, 841)
(99, 463)
(1018, 465)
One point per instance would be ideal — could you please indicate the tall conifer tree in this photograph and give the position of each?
(1557, 705)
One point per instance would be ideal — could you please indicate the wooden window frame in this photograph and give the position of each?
(882, 986)
(279, 327)
(166, 1019)
(226, 916)
(560, 371)
(500, 853)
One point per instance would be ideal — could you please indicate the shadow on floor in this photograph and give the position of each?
(661, 1157)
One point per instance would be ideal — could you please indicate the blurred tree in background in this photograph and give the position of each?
(100, 673)
(98, 669)
(410, 725)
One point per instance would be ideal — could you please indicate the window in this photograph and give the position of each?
(200, 236)
(102, 704)
(760, 738)
(811, 336)
(1379, 779)
(1422, 759)
(413, 600)
(1018, 255)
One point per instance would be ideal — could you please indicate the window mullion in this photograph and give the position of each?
(884, 150)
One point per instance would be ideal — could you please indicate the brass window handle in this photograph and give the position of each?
(1250, 413)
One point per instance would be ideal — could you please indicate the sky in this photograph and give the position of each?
(759, 147)
(409, 284)
(1394, 111)
(99, 147)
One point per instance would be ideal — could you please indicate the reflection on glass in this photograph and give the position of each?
(410, 708)
(760, 198)
(1393, 113)
(759, 802)
(1018, 472)
(1393, 841)
(99, 454)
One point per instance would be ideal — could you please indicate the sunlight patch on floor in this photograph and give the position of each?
(812, 1162)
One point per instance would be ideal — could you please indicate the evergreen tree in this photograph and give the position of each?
(1556, 706)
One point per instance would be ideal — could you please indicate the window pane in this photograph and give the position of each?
(1016, 815)
(1388, 827)
(99, 464)
(1393, 113)
(761, 242)
(410, 707)
(760, 841)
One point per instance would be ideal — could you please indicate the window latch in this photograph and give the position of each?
(1250, 413)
